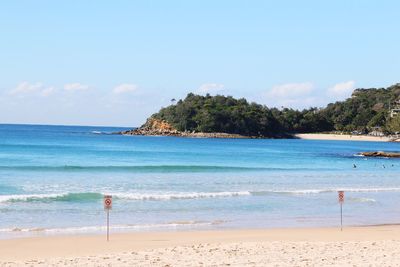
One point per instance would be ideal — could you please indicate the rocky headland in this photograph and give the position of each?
(156, 127)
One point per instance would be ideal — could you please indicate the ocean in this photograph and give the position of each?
(53, 178)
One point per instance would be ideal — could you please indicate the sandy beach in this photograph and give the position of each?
(355, 246)
(343, 137)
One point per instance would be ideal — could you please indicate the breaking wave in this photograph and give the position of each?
(165, 196)
(80, 197)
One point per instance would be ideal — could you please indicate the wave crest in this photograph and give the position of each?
(88, 196)
(165, 196)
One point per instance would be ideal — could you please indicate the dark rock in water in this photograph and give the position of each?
(380, 154)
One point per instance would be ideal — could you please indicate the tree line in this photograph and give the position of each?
(366, 110)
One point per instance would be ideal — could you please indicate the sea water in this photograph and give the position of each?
(53, 178)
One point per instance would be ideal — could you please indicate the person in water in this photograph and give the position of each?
(354, 166)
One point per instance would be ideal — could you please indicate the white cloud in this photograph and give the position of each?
(291, 90)
(342, 89)
(300, 103)
(76, 87)
(211, 88)
(292, 95)
(125, 88)
(25, 88)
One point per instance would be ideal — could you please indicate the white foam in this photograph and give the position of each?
(92, 229)
(377, 189)
(362, 200)
(179, 195)
(330, 190)
(305, 191)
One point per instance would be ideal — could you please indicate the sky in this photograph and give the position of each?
(114, 63)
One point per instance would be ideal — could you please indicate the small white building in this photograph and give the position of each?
(394, 112)
(376, 131)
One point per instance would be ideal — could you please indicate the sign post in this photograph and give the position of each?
(341, 201)
(107, 207)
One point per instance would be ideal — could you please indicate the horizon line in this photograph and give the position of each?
(67, 125)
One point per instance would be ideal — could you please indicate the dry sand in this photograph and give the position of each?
(343, 137)
(355, 246)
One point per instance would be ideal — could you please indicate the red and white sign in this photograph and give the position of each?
(341, 196)
(107, 202)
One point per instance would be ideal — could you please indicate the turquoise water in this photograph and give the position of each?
(52, 180)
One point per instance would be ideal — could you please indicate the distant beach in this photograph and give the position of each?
(342, 137)
(355, 246)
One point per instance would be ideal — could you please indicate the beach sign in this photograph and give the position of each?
(341, 201)
(107, 200)
(341, 196)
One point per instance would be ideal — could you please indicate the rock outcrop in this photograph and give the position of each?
(380, 154)
(156, 127)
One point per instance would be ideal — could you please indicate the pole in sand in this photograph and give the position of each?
(341, 201)
(107, 207)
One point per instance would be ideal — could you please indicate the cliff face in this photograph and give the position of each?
(156, 127)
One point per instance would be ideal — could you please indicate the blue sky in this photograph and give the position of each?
(117, 62)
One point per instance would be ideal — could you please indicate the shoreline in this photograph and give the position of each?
(189, 247)
(342, 137)
(303, 136)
